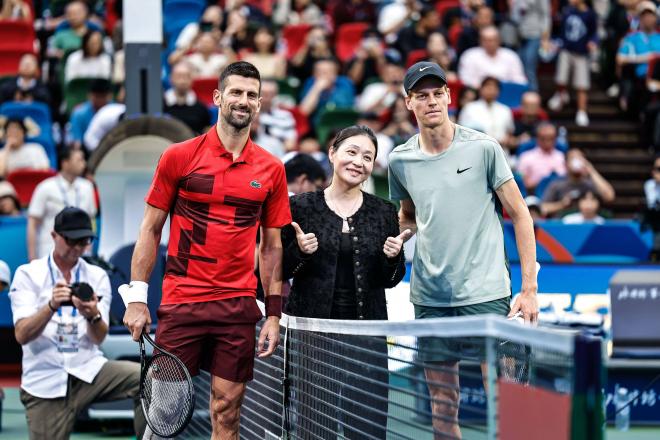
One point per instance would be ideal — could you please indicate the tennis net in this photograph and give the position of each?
(333, 379)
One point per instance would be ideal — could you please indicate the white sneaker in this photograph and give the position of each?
(613, 90)
(558, 100)
(581, 118)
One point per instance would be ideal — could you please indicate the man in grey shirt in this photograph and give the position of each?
(452, 183)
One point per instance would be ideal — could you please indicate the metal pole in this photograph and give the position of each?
(491, 380)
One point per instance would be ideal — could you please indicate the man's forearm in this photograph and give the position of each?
(523, 228)
(28, 329)
(144, 255)
(97, 331)
(270, 264)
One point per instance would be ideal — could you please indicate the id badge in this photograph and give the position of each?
(67, 337)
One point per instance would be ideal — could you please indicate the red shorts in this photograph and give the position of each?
(217, 336)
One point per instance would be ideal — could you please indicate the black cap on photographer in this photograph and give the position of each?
(73, 223)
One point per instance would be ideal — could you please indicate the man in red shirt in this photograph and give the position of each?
(218, 188)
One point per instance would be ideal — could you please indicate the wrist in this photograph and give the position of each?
(52, 308)
(136, 291)
(94, 318)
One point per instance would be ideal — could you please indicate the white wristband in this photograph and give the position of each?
(136, 291)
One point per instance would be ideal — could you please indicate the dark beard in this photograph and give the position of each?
(238, 124)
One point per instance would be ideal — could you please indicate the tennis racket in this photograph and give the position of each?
(166, 390)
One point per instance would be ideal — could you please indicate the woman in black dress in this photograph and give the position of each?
(343, 249)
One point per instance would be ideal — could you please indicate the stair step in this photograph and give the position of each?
(619, 156)
(602, 126)
(592, 136)
(596, 112)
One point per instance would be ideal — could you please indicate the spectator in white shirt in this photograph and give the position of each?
(90, 61)
(67, 188)
(276, 128)
(208, 61)
(379, 96)
(487, 115)
(60, 331)
(490, 59)
(18, 154)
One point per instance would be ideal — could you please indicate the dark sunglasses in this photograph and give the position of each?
(73, 242)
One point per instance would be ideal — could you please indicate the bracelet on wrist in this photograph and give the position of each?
(52, 309)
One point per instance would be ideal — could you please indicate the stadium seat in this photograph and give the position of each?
(511, 93)
(554, 302)
(26, 180)
(454, 34)
(289, 90)
(75, 92)
(443, 6)
(655, 59)
(16, 35)
(348, 39)
(121, 261)
(455, 89)
(521, 184)
(178, 13)
(213, 114)
(592, 303)
(204, 88)
(333, 119)
(9, 60)
(542, 114)
(293, 37)
(302, 122)
(544, 184)
(415, 56)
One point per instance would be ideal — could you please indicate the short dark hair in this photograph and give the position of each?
(490, 79)
(15, 120)
(354, 130)
(305, 164)
(239, 68)
(100, 86)
(65, 154)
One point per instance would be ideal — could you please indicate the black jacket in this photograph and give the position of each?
(314, 275)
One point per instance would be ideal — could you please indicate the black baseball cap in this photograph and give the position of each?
(73, 223)
(421, 70)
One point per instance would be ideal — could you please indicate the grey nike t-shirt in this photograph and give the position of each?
(459, 257)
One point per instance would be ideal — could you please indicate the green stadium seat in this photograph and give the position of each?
(332, 119)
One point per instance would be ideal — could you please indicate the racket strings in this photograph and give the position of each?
(167, 395)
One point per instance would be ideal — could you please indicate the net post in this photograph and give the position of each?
(587, 418)
(491, 392)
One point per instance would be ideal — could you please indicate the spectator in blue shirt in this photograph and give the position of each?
(578, 39)
(635, 51)
(100, 93)
(326, 88)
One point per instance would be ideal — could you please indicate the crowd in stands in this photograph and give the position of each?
(329, 64)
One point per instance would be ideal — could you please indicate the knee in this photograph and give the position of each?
(445, 399)
(226, 409)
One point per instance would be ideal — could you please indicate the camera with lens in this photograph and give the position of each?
(82, 291)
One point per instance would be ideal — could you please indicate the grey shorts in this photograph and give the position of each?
(568, 62)
(433, 349)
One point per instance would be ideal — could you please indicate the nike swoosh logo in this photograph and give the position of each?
(459, 171)
(421, 69)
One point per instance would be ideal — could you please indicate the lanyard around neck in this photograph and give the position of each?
(52, 282)
(65, 196)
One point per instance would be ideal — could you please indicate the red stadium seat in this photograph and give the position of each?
(302, 123)
(655, 59)
(455, 88)
(294, 37)
(443, 6)
(454, 34)
(26, 180)
(415, 56)
(16, 35)
(9, 60)
(517, 114)
(348, 39)
(110, 16)
(204, 88)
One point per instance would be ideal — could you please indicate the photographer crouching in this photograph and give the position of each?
(61, 307)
